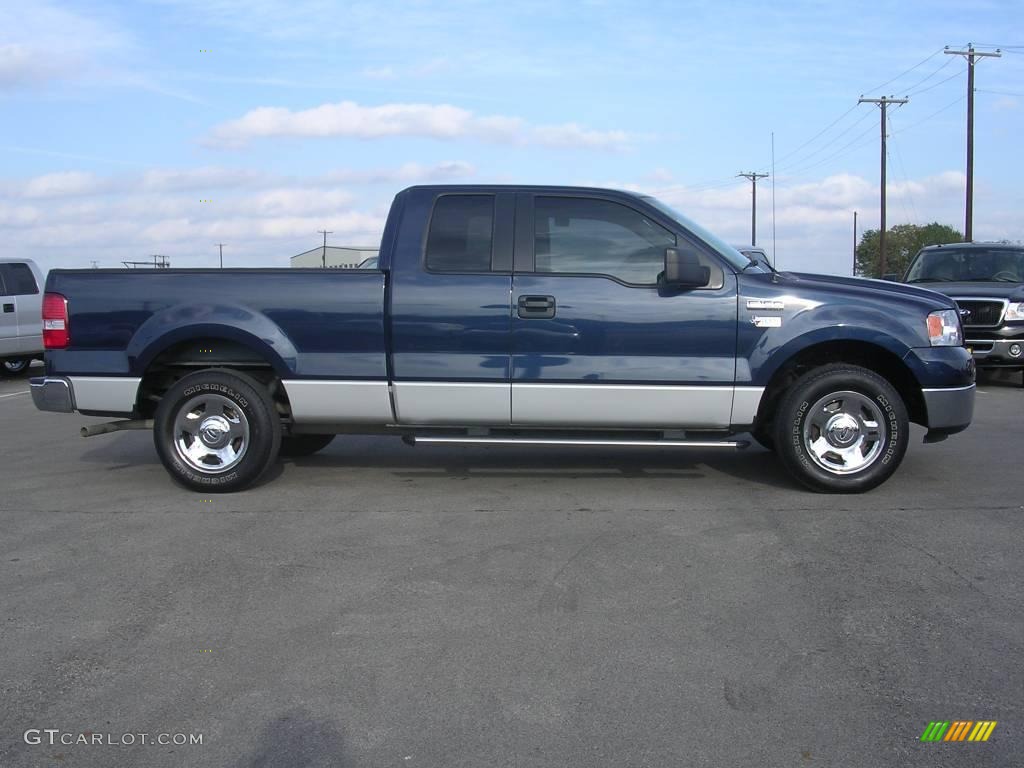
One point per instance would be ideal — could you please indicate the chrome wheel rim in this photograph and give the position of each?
(211, 434)
(843, 432)
(15, 366)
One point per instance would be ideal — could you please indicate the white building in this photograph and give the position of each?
(333, 256)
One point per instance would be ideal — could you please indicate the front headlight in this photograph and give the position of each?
(944, 328)
(1015, 310)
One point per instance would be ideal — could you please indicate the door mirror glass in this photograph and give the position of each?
(684, 270)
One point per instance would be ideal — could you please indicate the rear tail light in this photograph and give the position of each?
(56, 333)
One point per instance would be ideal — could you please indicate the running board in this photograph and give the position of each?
(583, 442)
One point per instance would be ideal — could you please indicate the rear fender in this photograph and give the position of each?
(204, 322)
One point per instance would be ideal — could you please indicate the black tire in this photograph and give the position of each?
(842, 458)
(241, 423)
(16, 367)
(294, 446)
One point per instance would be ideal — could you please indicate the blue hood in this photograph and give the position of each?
(852, 285)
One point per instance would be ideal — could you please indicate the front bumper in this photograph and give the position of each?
(990, 352)
(950, 409)
(51, 394)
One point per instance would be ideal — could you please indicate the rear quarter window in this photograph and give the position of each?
(461, 234)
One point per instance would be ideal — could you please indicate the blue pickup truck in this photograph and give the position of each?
(501, 315)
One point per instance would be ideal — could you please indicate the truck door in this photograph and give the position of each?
(450, 309)
(23, 294)
(595, 343)
(8, 319)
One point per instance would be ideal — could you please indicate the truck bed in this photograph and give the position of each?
(310, 323)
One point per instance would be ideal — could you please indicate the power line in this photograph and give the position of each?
(907, 71)
(845, 149)
(933, 114)
(831, 142)
(998, 93)
(935, 85)
(906, 177)
(819, 133)
(928, 77)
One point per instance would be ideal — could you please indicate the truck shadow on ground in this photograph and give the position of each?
(296, 740)
(753, 465)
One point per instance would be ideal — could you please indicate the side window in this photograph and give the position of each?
(461, 234)
(18, 279)
(578, 235)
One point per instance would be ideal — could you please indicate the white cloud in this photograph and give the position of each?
(41, 42)
(71, 217)
(62, 184)
(814, 220)
(347, 119)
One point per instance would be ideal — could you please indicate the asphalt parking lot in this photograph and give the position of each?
(378, 605)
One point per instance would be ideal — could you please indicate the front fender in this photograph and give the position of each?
(206, 322)
(806, 324)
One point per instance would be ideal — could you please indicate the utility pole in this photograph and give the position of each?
(883, 102)
(753, 203)
(221, 246)
(970, 54)
(325, 233)
(854, 243)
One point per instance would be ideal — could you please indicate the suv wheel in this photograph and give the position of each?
(841, 429)
(217, 431)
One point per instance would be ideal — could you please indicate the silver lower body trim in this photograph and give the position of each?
(450, 402)
(109, 394)
(745, 402)
(615, 405)
(341, 402)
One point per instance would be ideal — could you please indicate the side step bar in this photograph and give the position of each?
(571, 441)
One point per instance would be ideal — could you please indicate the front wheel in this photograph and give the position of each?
(217, 431)
(841, 429)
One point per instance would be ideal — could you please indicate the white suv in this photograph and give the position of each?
(21, 325)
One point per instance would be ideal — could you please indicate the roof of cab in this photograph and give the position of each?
(522, 188)
(974, 244)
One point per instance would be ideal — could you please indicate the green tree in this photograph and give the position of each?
(902, 242)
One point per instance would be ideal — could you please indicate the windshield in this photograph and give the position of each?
(727, 252)
(951, 265)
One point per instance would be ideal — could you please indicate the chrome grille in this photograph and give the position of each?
(981, 313)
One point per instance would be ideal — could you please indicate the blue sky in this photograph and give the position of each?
(122, 119)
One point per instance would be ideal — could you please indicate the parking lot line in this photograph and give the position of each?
(13, 394)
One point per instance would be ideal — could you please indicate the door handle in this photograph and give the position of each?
(8, 307)
(536, 307)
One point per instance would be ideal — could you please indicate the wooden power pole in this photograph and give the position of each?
(970, 54)
(883, 102)
(753, 202)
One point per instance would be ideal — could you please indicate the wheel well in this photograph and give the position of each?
(870, 356)
(183, 358)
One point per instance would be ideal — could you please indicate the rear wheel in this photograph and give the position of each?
(217, 431)
(304, 445)
(841, 429)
